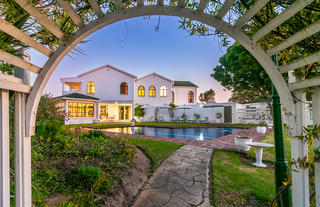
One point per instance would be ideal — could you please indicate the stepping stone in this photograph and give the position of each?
(181, 180)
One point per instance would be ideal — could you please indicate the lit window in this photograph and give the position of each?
(124, 88)
(104, 111)
(172, 97)
(190, 97)
(141, 91)
(90, 87)
(163, 91)
(152, 91)
(76, 109)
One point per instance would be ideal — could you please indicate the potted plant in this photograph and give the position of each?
(184, 117)
(262, 118)
(218, 117)
(242, 141)
(139, 112)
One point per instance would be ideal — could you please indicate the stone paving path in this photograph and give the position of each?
(181, 180)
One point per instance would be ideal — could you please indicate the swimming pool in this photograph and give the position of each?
(184, 133)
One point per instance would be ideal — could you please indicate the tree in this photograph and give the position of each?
(139, 111)
(240, 72)
(207, 96)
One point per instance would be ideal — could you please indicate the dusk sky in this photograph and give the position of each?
(134, 46)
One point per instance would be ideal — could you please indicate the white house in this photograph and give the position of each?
(104, 93)
(108, 93)
(184, 92)
(153, 89)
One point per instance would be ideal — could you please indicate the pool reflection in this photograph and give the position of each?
(184, 133)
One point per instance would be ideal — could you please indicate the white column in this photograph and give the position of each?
(98, 111)
(22, 150)
(4, 149)
(316, 120)
(300, 177)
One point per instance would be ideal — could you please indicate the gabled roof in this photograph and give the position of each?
(184, 83)
(103, 67)
(156, 74)
(77, 96)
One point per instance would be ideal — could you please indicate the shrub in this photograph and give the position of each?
(85, 177)
(48, 110)
(94, 135)
(139, 111)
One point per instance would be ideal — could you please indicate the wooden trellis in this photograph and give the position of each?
(27, 97)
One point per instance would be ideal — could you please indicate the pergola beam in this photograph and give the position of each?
(313, 58)
(202, 5)
(8, 82)
(71, 12)
(42, 19)
(251, 12)
(297, 6)
(11, 59)
(225, 8)
(304, 84)
(94, 5)
(297, 37)
(23, 37)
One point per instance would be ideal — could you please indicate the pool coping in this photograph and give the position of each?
(225, 142)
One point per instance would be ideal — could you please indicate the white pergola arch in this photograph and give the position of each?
(28, 97)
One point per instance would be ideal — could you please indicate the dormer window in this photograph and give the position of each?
(163, 91)
(152, 91)
(141, 91)
(124, 88)
(90, 87)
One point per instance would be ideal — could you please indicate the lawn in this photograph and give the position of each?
(161, 124)
(156, 151)
(100, 125)
(234, 182)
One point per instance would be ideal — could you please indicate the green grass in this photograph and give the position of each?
(173, 124)
(101, 125)
(233, 182)
(161, 124)
(157, 151)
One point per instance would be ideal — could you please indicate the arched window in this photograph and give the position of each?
(124, 88)
(141, 91)
(152, 91)
(190, 97)
(90, 87)
(163, 91)
(172, 97)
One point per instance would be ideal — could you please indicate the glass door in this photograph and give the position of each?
(121, 112)
(124, 113)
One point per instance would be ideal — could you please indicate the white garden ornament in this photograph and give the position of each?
(29, 96)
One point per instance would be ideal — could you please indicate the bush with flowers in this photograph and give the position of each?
(84, 167)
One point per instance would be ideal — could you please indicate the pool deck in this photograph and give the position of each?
(224, 142)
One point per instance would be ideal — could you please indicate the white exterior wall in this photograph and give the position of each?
(164, 113)
(107, 84)
(181, 94)
(157, 82)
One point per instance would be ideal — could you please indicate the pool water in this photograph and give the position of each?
(184, 133)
